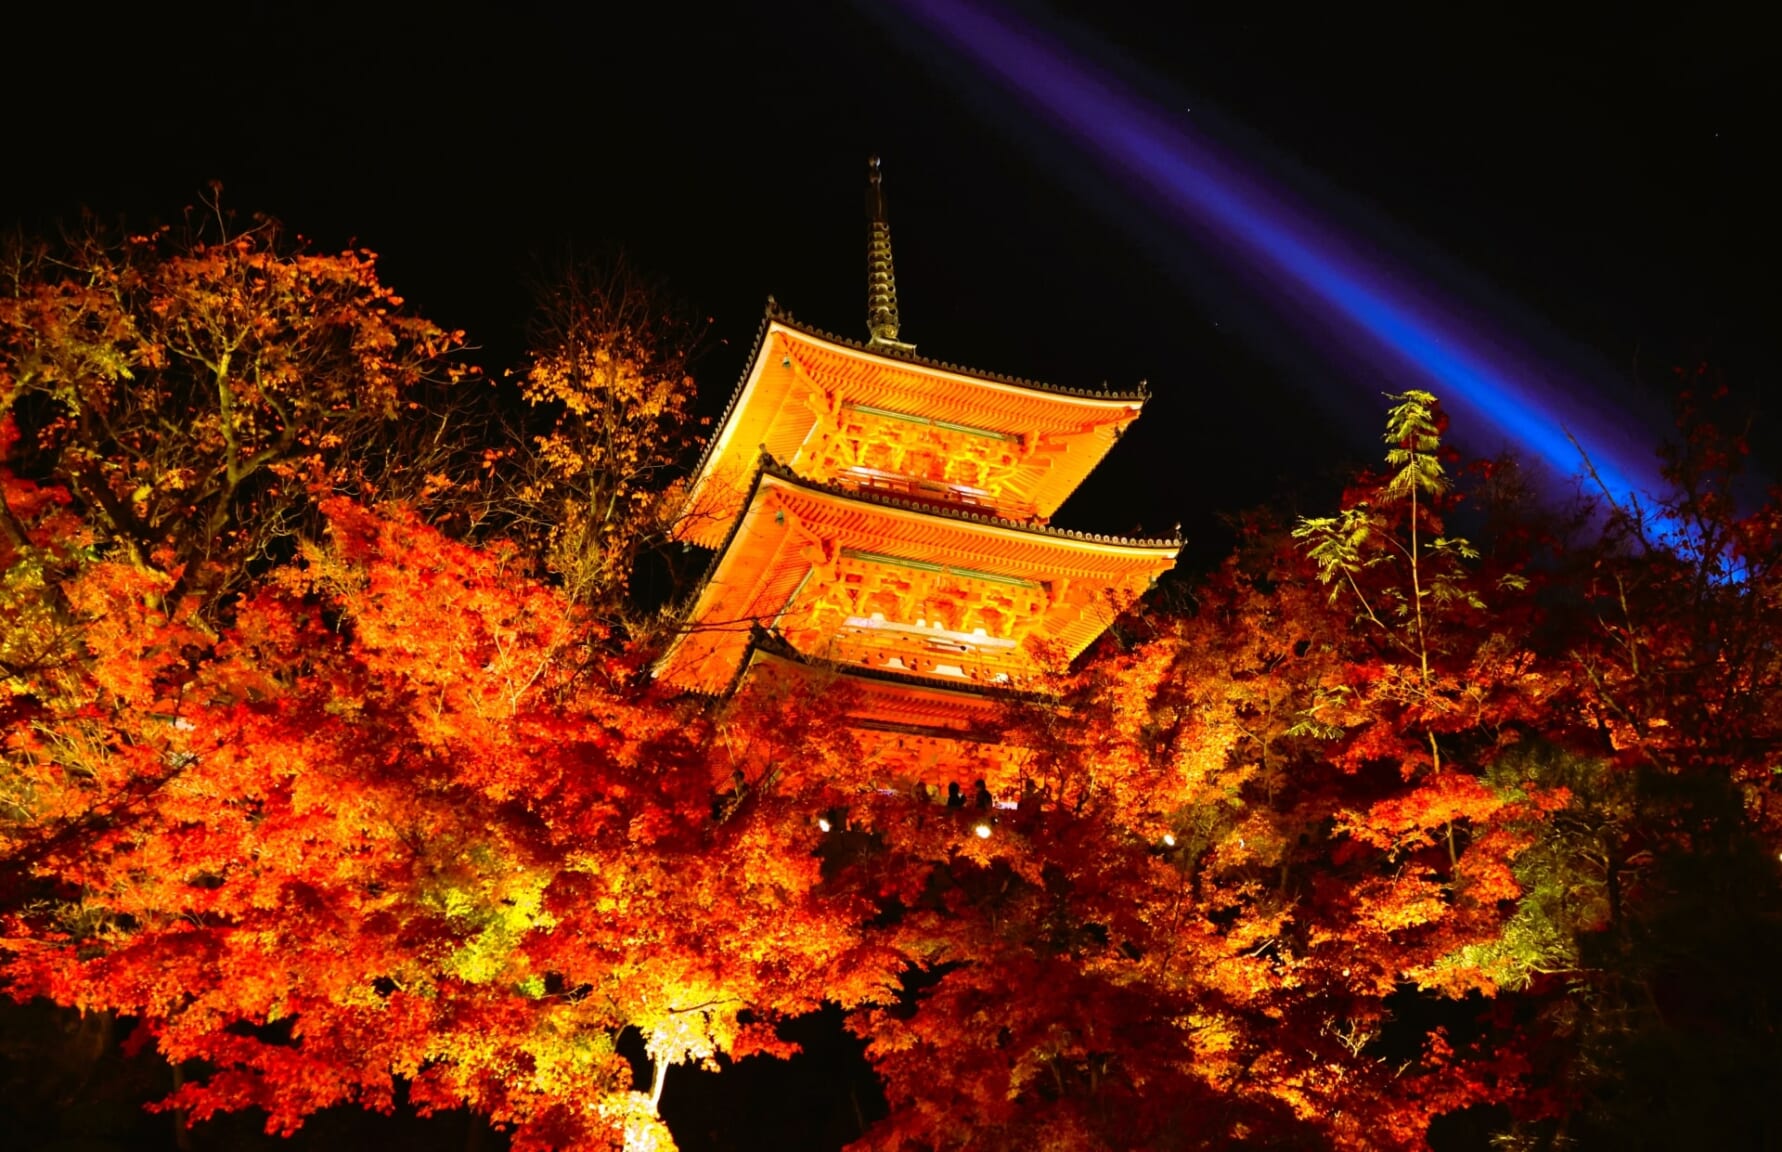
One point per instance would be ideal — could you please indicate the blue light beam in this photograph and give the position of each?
(1400, 327)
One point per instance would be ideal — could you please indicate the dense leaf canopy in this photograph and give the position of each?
(330, 762)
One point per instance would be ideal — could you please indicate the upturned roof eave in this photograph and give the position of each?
(772, 644)
(775, 314)
(768, 466)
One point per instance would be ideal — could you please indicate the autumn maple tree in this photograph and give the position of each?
(1242, 840)
(607, 380)
(333, 767)
(185, 390)
(1654, 905)
(319, 797)
(397, 828)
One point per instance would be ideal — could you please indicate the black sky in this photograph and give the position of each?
(1616, 178)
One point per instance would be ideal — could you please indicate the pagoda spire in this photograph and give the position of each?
(881, 279)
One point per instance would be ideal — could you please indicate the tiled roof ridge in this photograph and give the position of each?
(772, 467)
(775, 311)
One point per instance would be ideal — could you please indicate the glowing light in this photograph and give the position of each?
(981, 831)
(1169, 839)
(1337, 283)
(935, 632)
(822, 824)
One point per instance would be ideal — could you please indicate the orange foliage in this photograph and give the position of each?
(378, 808)
(403, 820)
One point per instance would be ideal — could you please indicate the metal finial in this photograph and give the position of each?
(882, 321)
(875, 191)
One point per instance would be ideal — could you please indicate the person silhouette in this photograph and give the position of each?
(955, 797)
(982, 795)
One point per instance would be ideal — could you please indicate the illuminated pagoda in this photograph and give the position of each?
(882, 519)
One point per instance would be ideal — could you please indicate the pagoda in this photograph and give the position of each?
(882, 519)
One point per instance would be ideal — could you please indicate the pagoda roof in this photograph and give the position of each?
(765, 559)
(770, 410)
(907, 730)
(768, 466)
(925, 704)
(777, 313)
(768, 645)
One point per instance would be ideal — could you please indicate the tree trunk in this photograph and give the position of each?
(182, 1131)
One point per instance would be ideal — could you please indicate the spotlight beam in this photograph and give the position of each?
(1400, 327)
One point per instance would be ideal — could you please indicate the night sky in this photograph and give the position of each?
(1617, 180)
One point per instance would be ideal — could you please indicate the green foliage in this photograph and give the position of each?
(1570, 873)
(1398, 527)
(1336, 544)
(1414, 433)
